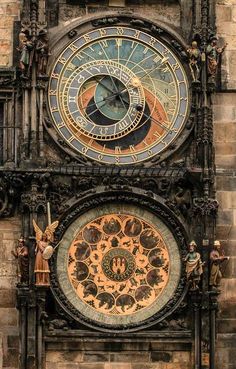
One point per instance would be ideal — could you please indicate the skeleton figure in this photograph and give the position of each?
(194, 54)
(43, 239)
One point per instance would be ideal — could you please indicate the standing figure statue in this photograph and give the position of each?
(22, 256)
(216, 260)
(43, 252)
(25, 48)
(213, 53)
(194, 265)
(194, 54)
(41, 56)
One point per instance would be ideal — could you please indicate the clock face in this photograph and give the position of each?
(117, 95)
(118, 265)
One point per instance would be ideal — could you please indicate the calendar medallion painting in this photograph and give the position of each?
(118, 265)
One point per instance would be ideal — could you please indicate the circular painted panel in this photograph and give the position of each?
(118, 265)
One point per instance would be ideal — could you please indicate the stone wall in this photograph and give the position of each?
(153, 10)
(9, 12)
(116, 354)
(9, 233)
(225, 145)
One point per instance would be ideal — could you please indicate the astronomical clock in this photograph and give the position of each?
(107, 145)
(119, 96)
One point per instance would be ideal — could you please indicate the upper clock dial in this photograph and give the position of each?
(118, 95)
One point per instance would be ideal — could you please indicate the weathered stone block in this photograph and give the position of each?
(142, 365)
(8, 316)
(223, 13)
(115, 366)
(13, 342)
(88, 366)
(135, 346)
(13, 9)
(56, 356)
(1, 350)
(129, 357)
(96, 357)
(225, 149)
(7, 298)
(68, 365)
(161, 356)
(225, 217)
(11, 358)
(4, 60)
(228, 291)
(181, 357)
(225, 161)
(7, 282)
(224, 113)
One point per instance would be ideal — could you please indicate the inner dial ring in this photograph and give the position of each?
(83, 88)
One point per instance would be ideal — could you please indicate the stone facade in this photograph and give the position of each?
(9, 12)
(100, 355)
(9, 340)
(225, 143)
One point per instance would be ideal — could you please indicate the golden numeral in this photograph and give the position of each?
(103, 43)
(103, 32)
(156, 134)
(52, 92)
(118, 42)
(117, 150)
(131, 147)
(164, 143)
(70, 139)
(61, 125)
(100, 157)
(152, 41)
(73, 48)
(134, 157)
(62, 61)
(137, 34)
(175, 67)
(84, 149)
(55, 75)
(87, 37)
(120, 30)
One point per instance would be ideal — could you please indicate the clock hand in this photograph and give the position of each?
(104, 99)
(139, 108)
(109, 89)
(129, 88)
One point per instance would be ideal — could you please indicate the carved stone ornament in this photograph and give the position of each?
(118, 265)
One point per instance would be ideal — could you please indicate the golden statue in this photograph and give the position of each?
(43, 252)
